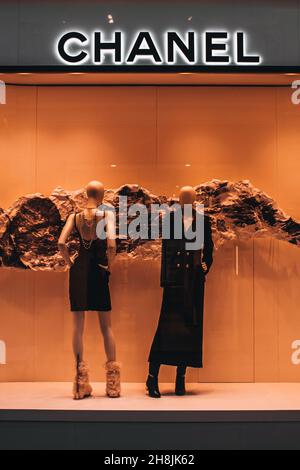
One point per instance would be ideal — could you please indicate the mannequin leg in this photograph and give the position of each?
(81, 386)
(154, 369)
(108, 336)
(180, 381)
(181, 370)
(78, 329)
(113, 379)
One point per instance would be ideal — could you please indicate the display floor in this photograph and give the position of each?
(200, 397)
(211, 416)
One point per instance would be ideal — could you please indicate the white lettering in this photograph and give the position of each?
(295, 358)
(2, 92)
(296, 93)
(2, 352)
(218, 48)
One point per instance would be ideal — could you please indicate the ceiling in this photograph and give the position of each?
(94, 78)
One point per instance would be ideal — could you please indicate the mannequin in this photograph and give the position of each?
(89, 286)
(178, 338)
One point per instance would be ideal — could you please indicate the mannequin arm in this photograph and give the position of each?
(207, 258)
(111, 237)
(62, 242)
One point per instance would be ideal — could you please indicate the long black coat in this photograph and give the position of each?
(176, 260)
(179, 336)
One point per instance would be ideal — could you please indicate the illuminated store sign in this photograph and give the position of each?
(208, 48)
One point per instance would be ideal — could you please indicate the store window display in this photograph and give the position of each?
(185, 263)
(149, 102)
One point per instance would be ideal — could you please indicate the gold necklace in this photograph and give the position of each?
(89, 223)
(88, 243)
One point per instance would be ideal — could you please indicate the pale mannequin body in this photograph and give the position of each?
(95, 192)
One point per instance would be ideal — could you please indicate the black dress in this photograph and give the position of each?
(89, 282)
(179, 335)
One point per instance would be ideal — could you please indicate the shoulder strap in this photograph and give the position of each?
(75, 223)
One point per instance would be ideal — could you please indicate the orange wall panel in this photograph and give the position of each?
(82, 131)
(18, 144)
(228, 327)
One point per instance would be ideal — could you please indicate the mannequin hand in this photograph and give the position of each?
(109, 268)
(204, 267)
(111, 254)
(104, 267)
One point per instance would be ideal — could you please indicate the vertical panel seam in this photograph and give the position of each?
(156, 125)
(276, 254)
(35, 313)
(254, 313)
(36, 138)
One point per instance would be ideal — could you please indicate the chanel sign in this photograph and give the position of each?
(192, 48)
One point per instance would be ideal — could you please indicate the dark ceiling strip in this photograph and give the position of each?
(150, 69)
(174, 85)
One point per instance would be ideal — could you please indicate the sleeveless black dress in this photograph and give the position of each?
(89, 282)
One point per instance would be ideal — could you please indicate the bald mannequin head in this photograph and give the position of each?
(95, 192)
(187, 195)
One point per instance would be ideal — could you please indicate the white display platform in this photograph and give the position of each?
(211, 417)
(200, 397)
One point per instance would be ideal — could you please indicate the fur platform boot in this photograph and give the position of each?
(81, 387)
(113, 379)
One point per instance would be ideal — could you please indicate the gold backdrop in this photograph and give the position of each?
(51, 136)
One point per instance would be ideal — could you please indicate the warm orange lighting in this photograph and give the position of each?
(113, 166)
(188, 165)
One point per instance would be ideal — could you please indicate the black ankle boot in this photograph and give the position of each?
(180, 385)
(152, 387)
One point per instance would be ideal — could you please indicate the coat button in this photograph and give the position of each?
(188, 253)
(178, 253)
(178, 265)
(187, 266)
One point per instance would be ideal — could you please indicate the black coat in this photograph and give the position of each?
(177, 262)
(179, 336)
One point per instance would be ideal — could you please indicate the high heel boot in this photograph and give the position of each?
(113, 379)
(152, 386)
(81, 387)
(180, 385)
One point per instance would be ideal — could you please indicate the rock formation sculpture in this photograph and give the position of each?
(29, 230)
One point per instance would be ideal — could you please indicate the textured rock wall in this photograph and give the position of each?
(241, 211)
(29, 230)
